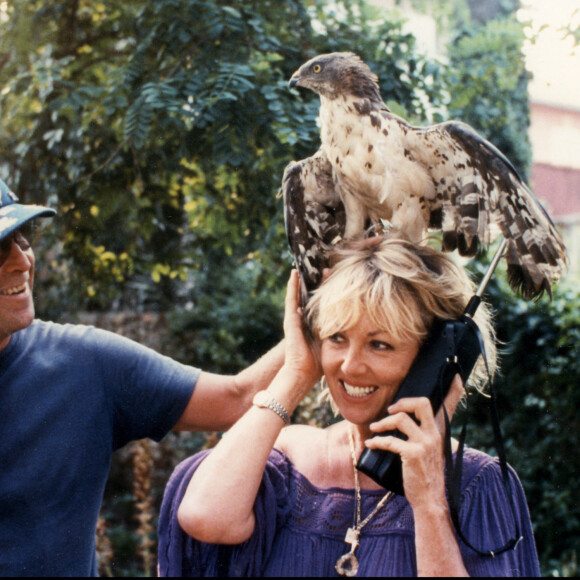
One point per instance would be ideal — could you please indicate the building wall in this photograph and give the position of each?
(555, 137)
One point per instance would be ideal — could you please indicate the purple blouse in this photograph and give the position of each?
(300, 528)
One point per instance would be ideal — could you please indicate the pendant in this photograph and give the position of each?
(347, 565)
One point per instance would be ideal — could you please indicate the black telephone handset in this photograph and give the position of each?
(452, 347)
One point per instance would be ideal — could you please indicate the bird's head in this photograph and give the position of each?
(335, 74)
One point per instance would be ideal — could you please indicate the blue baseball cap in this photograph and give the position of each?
(14, 215)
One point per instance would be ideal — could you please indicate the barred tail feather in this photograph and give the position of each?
(536, 254)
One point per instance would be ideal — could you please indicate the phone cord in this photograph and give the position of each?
(454, 469)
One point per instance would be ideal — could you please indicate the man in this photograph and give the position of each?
(69, 396)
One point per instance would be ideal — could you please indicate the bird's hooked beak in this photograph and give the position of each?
(294, 81)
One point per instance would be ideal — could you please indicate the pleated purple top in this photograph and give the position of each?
(300, 528)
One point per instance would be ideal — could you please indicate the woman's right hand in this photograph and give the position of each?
(218, 506)
(301, 369)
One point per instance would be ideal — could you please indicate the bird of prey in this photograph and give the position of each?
(374, 167)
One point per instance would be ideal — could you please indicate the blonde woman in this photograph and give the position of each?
(276, 500)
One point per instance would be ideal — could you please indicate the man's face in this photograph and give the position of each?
(16, 282)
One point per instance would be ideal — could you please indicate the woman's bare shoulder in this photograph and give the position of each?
(297, 440)
(313, 452)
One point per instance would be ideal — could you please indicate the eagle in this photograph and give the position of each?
(374, 168)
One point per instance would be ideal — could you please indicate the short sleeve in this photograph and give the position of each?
(147, 392)
(488, 521)
(181, 555)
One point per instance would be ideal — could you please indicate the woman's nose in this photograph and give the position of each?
(353, 362)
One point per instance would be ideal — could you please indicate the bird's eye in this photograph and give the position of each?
(316, 68)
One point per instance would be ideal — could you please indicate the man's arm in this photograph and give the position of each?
(218, 401)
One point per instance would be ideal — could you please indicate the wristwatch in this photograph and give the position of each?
(265, 400)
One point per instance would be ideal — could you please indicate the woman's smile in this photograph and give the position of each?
(358, 391)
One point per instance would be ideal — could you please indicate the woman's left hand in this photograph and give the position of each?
(422, 454)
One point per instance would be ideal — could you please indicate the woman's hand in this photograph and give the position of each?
(301, 369)
(422, 454)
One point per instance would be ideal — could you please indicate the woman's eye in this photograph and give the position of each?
(380, 345)
(336, 338)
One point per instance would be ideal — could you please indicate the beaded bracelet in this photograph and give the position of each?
(264, 400)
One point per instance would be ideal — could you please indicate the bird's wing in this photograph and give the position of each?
(478, 190)
(314, 217)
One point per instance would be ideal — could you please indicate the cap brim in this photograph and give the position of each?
(15, 215)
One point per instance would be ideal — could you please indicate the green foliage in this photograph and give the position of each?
(540, 398)
(488, 86)
(486, 75)
(537, 400)
(160, 131)
(458, 14)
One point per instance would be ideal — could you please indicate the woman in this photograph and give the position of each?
(274, 501)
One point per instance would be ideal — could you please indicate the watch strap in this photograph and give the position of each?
(265, 400)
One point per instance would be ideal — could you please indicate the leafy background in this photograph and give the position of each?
(160, 130)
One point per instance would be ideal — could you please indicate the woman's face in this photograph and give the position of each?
(364, 366)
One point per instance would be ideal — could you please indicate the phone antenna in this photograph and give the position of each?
(476, 299)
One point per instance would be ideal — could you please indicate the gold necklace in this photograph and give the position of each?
(347, 565)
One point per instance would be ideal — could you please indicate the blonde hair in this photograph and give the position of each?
(403, 288)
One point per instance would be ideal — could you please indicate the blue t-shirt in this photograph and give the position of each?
(70, 396)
